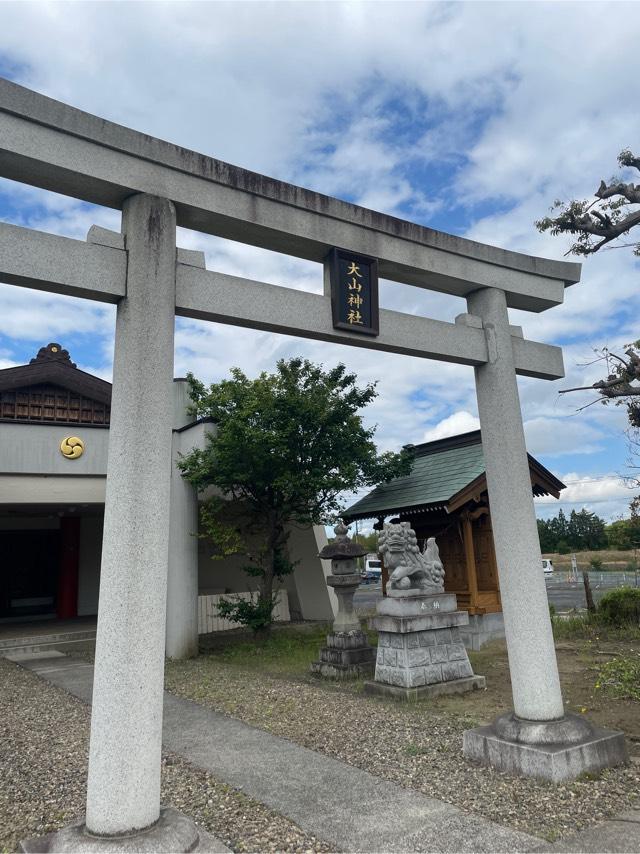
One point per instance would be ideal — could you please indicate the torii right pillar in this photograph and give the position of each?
(537, 739)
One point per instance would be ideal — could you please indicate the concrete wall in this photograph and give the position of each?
(16, 489)
(35, 449)
(33, 471)
(309, 596)
(308, 584)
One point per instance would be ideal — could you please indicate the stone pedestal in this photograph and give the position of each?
(420, 653)
(347, 654)
(558, 750)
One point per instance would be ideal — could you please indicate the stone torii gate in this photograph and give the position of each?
(157, 186)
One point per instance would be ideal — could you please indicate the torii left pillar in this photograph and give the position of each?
(123, 791)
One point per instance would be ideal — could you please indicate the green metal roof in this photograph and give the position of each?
(440, 470)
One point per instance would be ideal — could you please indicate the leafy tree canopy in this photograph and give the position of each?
(286, 445)
(597, 222)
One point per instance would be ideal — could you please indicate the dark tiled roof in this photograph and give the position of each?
(53, 365)
(441, 469)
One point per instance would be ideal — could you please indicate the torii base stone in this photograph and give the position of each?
(171, 833)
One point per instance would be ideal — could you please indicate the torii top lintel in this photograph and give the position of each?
(49, 144)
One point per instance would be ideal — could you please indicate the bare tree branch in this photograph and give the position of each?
(631, 192)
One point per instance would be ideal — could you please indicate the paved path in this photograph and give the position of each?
(348, 808)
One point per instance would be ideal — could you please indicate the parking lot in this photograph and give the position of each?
(563, 592)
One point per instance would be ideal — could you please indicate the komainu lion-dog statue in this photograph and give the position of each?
(408, 567)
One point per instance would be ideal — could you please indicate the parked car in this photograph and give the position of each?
(372, 571)
(547, 566)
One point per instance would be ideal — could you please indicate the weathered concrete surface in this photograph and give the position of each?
(532, 659)
(55, 146)
(123, 788)
(96, 270)
(348, 808)
(61, 265)
(482, 629)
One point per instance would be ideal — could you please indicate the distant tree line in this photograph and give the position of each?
(584, 531)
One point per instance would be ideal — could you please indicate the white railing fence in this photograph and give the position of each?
(209, 620)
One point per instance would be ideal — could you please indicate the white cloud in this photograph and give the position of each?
(458, 422)
(606, 495)
(40, 317)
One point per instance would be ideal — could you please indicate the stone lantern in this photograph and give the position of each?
(347, 653)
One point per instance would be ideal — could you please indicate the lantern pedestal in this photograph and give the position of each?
(347, 654)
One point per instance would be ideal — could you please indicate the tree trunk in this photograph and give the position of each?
(276, 541)
(265, 593)
(591, 606)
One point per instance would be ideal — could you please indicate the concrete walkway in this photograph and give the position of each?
(348, 808)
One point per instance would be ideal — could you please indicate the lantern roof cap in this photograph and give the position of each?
(343, 548)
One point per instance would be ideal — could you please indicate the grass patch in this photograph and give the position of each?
(590, 627)
(288, 651)
(620, 677)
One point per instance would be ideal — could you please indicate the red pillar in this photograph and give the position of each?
(67, 606)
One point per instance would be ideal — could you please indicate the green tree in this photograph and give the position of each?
(586, 531)
(559, 528)
(581, 531)
(623, 534)
(548, 541)
(286, 446)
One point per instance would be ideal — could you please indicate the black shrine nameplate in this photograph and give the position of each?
(354, 291)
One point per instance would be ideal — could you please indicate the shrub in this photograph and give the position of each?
(596, 564)
(256, 614)
(620, 606)
(563, 547)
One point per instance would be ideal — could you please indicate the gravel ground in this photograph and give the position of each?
(410, 746)
(43, 757)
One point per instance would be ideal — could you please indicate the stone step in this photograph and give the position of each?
(44, 642)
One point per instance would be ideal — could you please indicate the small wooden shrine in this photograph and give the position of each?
(445, 496)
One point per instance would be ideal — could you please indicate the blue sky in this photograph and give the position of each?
(467, 117)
